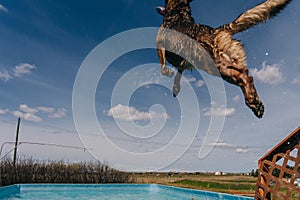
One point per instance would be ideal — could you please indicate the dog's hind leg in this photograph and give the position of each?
(162, 58)
(176, 86)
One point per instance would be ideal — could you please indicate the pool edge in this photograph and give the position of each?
(17, 188)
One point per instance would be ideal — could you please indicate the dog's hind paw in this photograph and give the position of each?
(176, 90)
(167, 72)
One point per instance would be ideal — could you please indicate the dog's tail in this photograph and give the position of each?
(256, 15)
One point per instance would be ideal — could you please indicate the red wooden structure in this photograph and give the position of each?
(279, 176)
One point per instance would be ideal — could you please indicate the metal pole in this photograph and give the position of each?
(17, 140)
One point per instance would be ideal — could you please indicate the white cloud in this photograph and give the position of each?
(129, 113)
(219, 112)
(32, 114)
(17, 114)
(27, 109)
(189, 79)
(27, 116)
(193, 80)
(224, 145)
(5, 76)
(213, 103)
(2, 112)
(22, 69)
(2, 8)
(199, 83)
(237, 98)
(242, 150)
(296, 80)
(269, 74)
(46, 109)
(60, 113)
(17, 71)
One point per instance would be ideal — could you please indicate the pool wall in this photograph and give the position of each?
(9, 191)
(16, 190)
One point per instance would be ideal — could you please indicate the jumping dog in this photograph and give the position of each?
(227, 53)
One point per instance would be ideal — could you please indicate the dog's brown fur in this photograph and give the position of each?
(227, 54)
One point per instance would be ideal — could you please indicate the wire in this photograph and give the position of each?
(41, 144)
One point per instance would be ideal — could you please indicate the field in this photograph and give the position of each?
(232, 184)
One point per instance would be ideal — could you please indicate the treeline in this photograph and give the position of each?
(276, 172)
(33, 171)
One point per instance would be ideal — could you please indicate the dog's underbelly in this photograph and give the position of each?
(187, 58)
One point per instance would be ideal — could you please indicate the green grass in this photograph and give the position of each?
(216, 186)
(237, 181)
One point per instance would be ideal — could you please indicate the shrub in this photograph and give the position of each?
(34, 171)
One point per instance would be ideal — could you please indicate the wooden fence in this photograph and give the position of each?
(279, 176)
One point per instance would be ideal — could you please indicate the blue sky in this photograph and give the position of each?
(44, 43)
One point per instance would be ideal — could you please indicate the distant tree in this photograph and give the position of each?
(276, 172)
(254, 172)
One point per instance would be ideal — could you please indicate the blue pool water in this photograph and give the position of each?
(107, 192)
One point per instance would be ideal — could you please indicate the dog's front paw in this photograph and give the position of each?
(167, 72)
(259, 111)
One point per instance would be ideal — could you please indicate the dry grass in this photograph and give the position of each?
(33, 171)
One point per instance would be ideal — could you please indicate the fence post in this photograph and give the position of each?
(17, 140)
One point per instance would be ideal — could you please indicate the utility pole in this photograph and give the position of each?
(17, 141)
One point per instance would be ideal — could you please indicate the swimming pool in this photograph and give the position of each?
(105, 192)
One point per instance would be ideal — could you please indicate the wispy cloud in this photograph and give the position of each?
(227, 146)
(241, 150)
(3, 9)
(27, 109)
(268, 74)
(22, 69)
(194, 81)
(189, 79)
(199, 83)
(296, 80)
(5, 76)
(27, 116)
(222, 144)
(46, 109)
(35, 114)
(220, 111)
(17, 71)
(2, 111)
(128, 113)
(53, 112)
(60, 113)
(237, 98)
